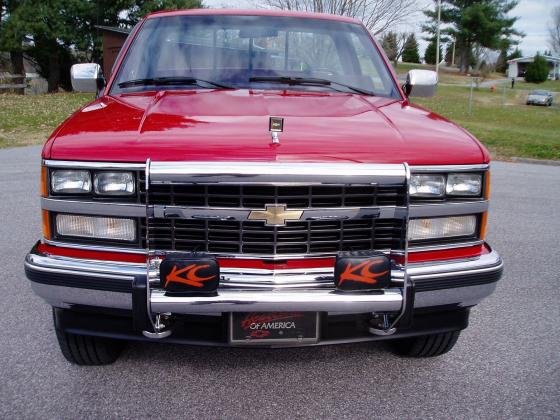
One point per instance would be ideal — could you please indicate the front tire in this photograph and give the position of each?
(85, 350)
(426, 345)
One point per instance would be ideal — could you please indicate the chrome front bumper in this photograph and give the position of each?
(66, 282)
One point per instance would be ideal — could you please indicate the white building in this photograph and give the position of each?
(518, 66)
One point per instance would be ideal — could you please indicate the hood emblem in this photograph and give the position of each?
(275, 215)
(276, 126)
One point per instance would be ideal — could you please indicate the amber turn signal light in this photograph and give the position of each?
(47, 230)
(44, 181)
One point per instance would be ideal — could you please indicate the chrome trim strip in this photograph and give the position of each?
(419, 248)
(92, 165)
(255, 301)
(93, 247)
(448, 209)
(93, 207)
(275, 173)
(139, 210)
(450, 168)
(242, 214)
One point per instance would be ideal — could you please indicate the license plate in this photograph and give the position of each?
(274, 327)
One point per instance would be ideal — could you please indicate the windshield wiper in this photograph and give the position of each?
(172, 81)
(288, 80)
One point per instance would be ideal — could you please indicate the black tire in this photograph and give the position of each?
(426, 345)
(85, 350)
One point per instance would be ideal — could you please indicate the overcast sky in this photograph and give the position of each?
(534, 16)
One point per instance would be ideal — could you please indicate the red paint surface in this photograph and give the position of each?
(303, 263)
(87, 254)
(223, 125)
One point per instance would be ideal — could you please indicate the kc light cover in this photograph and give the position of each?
(70, 182)
(96, 227)
(441, 227)
(114, 183)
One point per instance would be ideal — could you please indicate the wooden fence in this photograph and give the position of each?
(10, 83)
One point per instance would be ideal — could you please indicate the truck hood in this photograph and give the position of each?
(233, 125)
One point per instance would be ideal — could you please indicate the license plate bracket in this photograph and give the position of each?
(268, 328)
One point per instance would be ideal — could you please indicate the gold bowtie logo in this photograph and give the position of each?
(275, 215)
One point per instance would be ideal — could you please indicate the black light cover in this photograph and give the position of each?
(190, 273)
(362, 270)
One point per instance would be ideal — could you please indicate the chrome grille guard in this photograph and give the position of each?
(286, 174)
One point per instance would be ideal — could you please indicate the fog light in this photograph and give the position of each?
(441, 227)
(96, 227)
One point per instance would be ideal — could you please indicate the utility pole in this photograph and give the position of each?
(438, 31)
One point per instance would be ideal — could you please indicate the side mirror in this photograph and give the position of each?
(421, 83)
(87, 77)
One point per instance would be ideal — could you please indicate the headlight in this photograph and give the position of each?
(71, 182)
(427, 185)
(96, 227)
(441, 227)
(113, 183)
(464, 184)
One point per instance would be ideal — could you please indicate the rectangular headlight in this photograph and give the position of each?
(427, 185)
(70, 182)
(113, 183)
(464, 184)
(441, 227)
(96, 227)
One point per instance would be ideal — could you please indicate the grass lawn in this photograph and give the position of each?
(30, 119)
(509, 130)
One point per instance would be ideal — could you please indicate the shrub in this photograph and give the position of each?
(537, 71)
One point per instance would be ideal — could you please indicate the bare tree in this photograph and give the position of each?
(554, 31)
(377, 15)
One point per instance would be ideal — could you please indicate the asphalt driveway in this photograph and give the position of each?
(507, 364)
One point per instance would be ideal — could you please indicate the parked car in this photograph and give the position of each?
(540, 97)
(260, 179)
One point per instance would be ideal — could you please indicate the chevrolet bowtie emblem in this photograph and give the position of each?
(275, 215)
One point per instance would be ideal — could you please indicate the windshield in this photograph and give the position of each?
(257, 52)
(539, 92)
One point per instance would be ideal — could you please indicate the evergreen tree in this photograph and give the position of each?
(537, 71)
(60, 29)
(485, 23)
(515, 54)
(389, 43)
(410, 51)
(430, 54)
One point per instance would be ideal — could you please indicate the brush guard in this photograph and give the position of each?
(155, 324)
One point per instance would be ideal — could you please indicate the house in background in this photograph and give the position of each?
(113, 40)
(33, 83)
(518, 66)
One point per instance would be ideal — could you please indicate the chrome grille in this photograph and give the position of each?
(254, 237)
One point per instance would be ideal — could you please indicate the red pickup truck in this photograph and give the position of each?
(259, 178)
